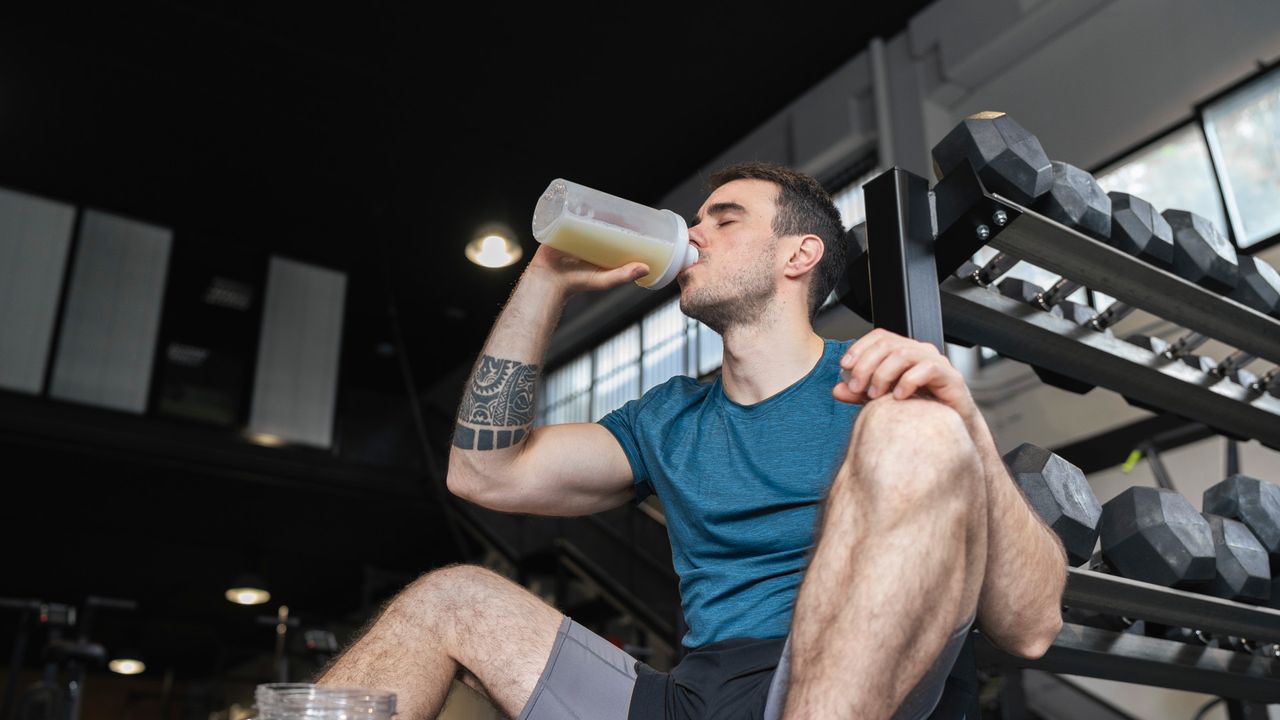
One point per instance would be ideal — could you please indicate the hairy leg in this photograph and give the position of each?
(898, 564)
(459, 622)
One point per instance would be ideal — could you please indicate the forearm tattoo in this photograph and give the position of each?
(497, 408)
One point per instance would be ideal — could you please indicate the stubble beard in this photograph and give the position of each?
(736, 302)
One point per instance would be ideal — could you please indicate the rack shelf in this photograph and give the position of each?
(917, 236)
(1057, 248)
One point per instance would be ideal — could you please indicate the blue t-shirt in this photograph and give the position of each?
(740, 485)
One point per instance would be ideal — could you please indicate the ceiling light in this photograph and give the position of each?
(248, 590)
(127, 666)
(493, 249)
(266, 439)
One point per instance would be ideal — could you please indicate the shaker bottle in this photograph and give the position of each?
(308, 701)
(609, 231)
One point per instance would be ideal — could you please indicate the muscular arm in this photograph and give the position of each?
(1020, 607)
(498, 460)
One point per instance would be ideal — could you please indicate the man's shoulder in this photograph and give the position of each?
(679, 389)
(660, 404)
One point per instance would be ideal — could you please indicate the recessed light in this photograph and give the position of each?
(266, 439)
(127, 666)
(248, 595)
(493, 249)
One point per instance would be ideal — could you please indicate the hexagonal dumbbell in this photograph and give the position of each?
(1138, 229)
(1201, 253)
(1008, 159)
(1155, 535)
(1256, 504)
(1059, 492)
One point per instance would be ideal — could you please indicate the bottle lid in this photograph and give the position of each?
(681, 257)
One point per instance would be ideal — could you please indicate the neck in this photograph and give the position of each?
(767, 356)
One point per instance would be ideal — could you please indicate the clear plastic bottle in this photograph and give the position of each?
(610, 231)
(305, 701)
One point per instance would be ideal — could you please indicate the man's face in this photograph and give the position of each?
(735, 276)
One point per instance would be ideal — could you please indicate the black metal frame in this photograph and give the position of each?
(916, 237)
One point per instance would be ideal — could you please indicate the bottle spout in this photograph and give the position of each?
(690, 256)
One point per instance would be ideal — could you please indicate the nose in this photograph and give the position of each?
(695, 236)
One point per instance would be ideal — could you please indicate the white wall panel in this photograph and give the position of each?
(35, 234)
(296, 386)
(112, 314)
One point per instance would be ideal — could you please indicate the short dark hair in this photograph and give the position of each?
(804, 207)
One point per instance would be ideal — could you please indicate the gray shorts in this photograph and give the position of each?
(588, 677)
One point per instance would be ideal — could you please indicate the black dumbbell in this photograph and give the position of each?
(1201, 253)
(1007, 159)
(1255, 504)
(1059, 492)
(1138, 229)
(1259, 286)
(1155, 535)
(1242, 573)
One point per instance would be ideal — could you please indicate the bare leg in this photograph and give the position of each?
(464, 622)
(898, 566)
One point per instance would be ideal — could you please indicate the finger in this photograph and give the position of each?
(842, 393)
(627, 273)
(860, 346)
(857, 350)
(890, 369)
(867, 362)
(921, 375)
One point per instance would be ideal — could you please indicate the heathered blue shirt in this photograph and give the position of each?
(740, 485)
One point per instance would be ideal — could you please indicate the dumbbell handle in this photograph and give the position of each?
(1056, 293)
(1269, 382)
(1114, 313)
(1185, 345)
(1003, 263)
(1233, 362)
(995, 267)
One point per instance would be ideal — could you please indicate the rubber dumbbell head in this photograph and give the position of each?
(1201, 253)
(1008, 159)
(1059, 492)
(1076, 200)
(1138, 229)
(1155, 535)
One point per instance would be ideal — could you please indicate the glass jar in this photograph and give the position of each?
(299, 701)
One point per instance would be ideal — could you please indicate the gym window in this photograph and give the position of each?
(1243, 133)
(1220, 164)
(665, 343)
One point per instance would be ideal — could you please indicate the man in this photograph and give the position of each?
(921, 528)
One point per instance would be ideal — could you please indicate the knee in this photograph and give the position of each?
(450, 587)
(912, 450)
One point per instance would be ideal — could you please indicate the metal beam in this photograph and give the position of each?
(903, 274)
(1128, 657)
(1055, 247)
(985, 317)
(1090, 590)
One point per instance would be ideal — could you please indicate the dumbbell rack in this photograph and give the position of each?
(917, 237)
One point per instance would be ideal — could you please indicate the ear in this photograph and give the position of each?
(804, 258)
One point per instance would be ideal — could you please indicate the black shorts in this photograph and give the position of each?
(586, 676)
(726, 679)
(747, 678)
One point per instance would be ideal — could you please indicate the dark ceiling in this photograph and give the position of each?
(374, 138)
